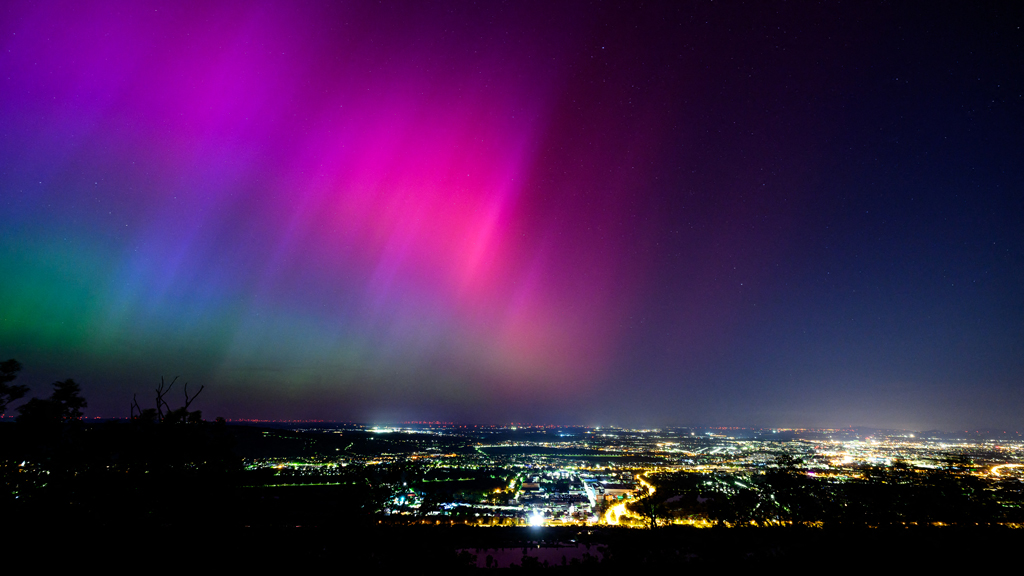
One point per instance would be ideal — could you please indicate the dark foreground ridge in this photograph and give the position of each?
(418, 549)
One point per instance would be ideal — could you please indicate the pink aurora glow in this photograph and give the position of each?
(326, 185)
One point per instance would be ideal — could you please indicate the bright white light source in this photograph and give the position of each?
(536, 518)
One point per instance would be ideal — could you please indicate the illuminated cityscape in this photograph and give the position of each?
(526, 475)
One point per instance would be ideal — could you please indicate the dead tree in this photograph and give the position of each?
(161, 391)
(163, 411)
(188, 401)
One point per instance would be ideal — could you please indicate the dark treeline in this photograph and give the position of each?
(166, 467)
(161, 467)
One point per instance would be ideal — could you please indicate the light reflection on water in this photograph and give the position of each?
(553, 554)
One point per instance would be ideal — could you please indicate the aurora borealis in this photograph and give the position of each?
(650, 215)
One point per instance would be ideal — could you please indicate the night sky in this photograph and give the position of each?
(706, 213)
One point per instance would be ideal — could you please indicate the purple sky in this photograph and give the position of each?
(668, 214)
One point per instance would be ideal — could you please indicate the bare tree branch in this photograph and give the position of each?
(160, 393)
(188, 401)
(164, 413)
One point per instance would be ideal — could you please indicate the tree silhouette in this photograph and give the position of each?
(10, 392)
(67, 397)
(64, 405)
